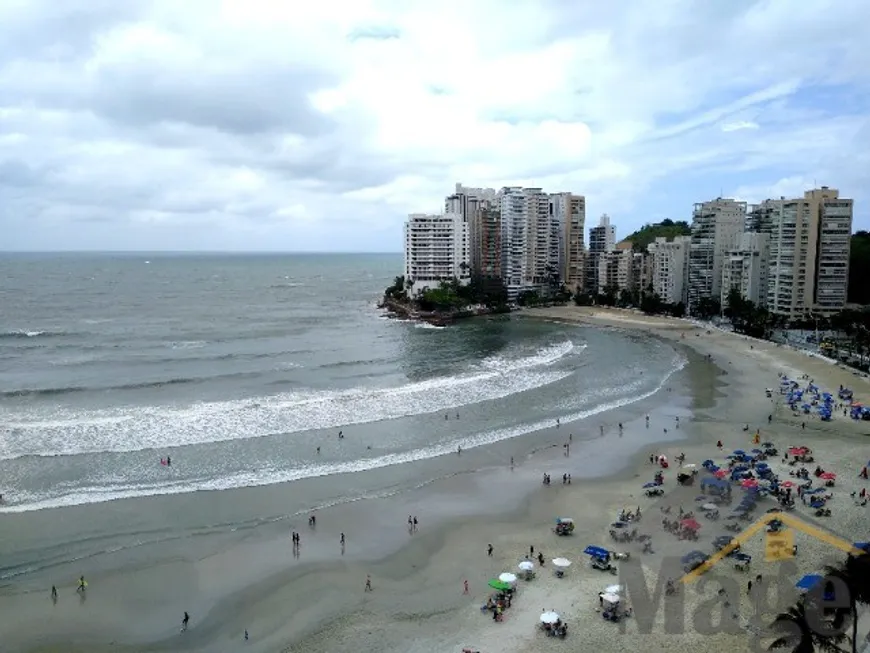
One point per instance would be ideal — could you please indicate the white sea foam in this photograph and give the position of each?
(68, 432)
(272, 476)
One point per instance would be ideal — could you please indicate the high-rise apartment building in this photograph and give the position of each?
(715, 227)
(601, 239)
(809, 252)
(530, 239)
(436, 250)
(745, 269)
(616, 268)
(669, 268)
(484, 240)
(569, 211)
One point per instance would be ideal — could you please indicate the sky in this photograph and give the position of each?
(267, 125)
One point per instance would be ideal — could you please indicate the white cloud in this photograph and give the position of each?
(254, 123)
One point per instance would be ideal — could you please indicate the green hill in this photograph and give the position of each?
(664, 229)
(859, 268)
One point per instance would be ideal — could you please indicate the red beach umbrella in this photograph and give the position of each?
(720, 474)
(828, 476)
(690, 524)
(749, 482)
(787, 484)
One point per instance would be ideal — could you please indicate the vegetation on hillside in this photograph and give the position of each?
(664, 229)
(859, 269)
(451, 296)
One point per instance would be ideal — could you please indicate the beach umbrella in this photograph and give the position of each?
(691, 524)
(610, 597)
(757, 451)
(650, 484)
(693, 556)
(738, 452)
(508, 578)
(749, 482)
(616, 589)
(689, 466)
(709, 506)
(828, 476)
(786, 484)
(526, 565)
(596, 551)
(562, 563)
(549, 617)
(713, 468)
(496, 584)
(808, 582)
(707, 462)
(720, 473)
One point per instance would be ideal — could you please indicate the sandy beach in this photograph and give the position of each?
(418, 601)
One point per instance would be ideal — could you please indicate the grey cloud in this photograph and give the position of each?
(48, 29)
(375, 32)
(246, 102)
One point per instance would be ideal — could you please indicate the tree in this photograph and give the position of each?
(796, 628)
(706, 308)
(854, 574)
(859, 268)
(651, 303)
(583, 299)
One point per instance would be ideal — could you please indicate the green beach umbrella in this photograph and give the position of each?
(496, 584)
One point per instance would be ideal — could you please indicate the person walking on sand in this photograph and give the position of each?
(246, 634)
(82, 584)
(54, 594)
(341, 435)
(489, 550)
(465, 584)
(185, 621)
(368, 583)
(415, 523)
(341, 540)
(512, 462)
(459, 450)
(558, 423)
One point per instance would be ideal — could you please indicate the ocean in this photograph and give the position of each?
(239, 367)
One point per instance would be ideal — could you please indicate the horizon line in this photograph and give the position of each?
(186, 251)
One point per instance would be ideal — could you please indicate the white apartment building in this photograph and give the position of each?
(809, 252)
(616, 268)
(530, 239)
(669, 268)
(715, 227)
(436, 250)
(745, 268)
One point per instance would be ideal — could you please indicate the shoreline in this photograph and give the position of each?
(441, 555)
(509, 489)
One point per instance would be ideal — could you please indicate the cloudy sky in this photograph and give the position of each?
(318, 125)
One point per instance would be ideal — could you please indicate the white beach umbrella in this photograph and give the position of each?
(610, 598)
(689, 466)
(613, 589)
(564, 563)
(526, 565)
(549, 617)
(508, 578)
(710, 506)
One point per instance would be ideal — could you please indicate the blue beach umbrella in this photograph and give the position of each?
(650, 484)
(596, 551)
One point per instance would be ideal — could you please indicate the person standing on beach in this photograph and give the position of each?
(54, 594)
(489, 550)
(368, 583)
(557, 422)
(415, 523)
(82, 584)
(465, 584)
(341, 540)
(341, 435)
(512, 462)
(185, 621)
